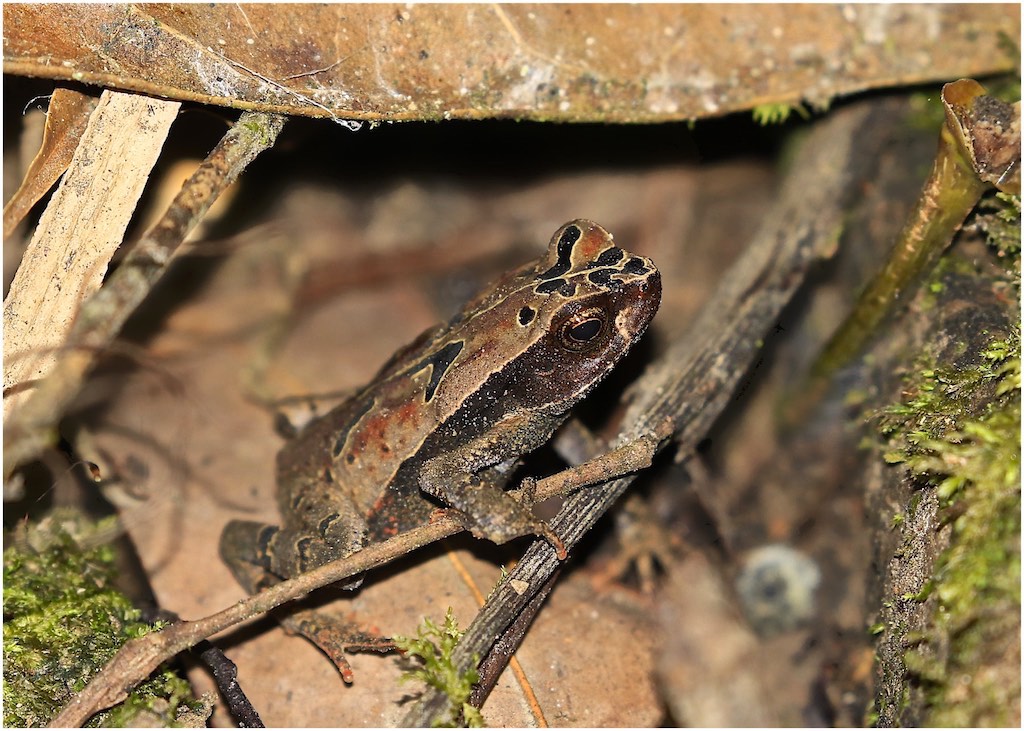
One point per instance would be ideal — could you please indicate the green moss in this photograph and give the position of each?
(939, 400)
(63, 622)
(973, 462)
(765, 114)
(256, 127)
(433, 647)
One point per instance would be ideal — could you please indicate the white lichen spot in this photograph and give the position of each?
(701, 84)
(669, 31)
(221, 42)
(250, 41)
(776, 32)
(536, 80)
(662, 94)
(564, 105)
(217, 79)
(590, 40)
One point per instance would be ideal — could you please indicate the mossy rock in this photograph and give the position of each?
(63, 621)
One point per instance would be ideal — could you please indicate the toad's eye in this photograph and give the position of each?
(583, 330)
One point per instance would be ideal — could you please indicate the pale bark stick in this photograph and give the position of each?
(99, 321)
(79, 231)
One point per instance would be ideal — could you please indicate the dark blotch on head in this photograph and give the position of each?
(552, 285)
(635, 266)
(526, 316)
(601, 276)
(342, 438)
(608, 257)
(568, 239)
(284, 426)
(568, 289)
(564, 247)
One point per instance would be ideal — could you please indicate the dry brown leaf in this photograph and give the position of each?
(80, 230)
(610, 63)
(66, 118)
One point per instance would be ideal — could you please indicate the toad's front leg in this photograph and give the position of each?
(458, 478)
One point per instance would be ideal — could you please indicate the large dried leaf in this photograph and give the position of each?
(616, 63)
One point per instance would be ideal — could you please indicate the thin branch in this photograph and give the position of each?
(225, 672)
